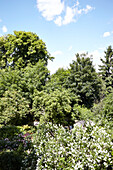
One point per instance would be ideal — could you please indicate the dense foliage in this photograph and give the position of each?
(83, 80)
(16, 149)
(22, 48)
(13, 107)
(54, 106)
(85, 148)
(28, 92)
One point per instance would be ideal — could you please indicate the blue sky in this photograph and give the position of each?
(66, 26)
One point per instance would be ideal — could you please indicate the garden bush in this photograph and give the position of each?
(10, 161)
(88, 148)
(16, 149)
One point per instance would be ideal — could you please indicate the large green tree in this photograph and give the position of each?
(83, 80)
(23, 70)
(22, 48)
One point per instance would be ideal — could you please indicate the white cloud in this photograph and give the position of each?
(59, 12)
(58, 21)
(87, 9)
(4, 29)
(77, 3)
(101, 48)
(106, 34)
(69, 17)
(0, 20)
(56, 53)
(50, 8)
(84, 10)
(72, 13)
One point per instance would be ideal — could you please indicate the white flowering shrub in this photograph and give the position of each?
(88, 148)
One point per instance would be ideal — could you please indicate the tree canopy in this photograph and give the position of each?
(22, 48)
(54, 106)
(83, 80)
(29, 92)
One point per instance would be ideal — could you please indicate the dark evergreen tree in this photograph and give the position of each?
(84, 81)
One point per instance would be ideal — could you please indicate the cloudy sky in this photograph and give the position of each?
(66, 26)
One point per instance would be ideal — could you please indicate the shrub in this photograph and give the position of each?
(10, 161)
(81, 113)
(89, 148)
(16, 149)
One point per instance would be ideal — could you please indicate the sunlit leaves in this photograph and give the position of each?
(54, 106)
(22, 48)
(23, 82)
(13, 107)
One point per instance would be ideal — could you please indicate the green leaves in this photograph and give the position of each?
(81, 113)
(108, 106)
(16, 149)
(106, 69)
(22, 48)
(83, 80)
(82, 148)
(13, 107)
(36, 76)
(20, 85)
(54, 106)
(9, 79)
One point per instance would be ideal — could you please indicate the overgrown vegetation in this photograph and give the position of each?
(28, 92)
